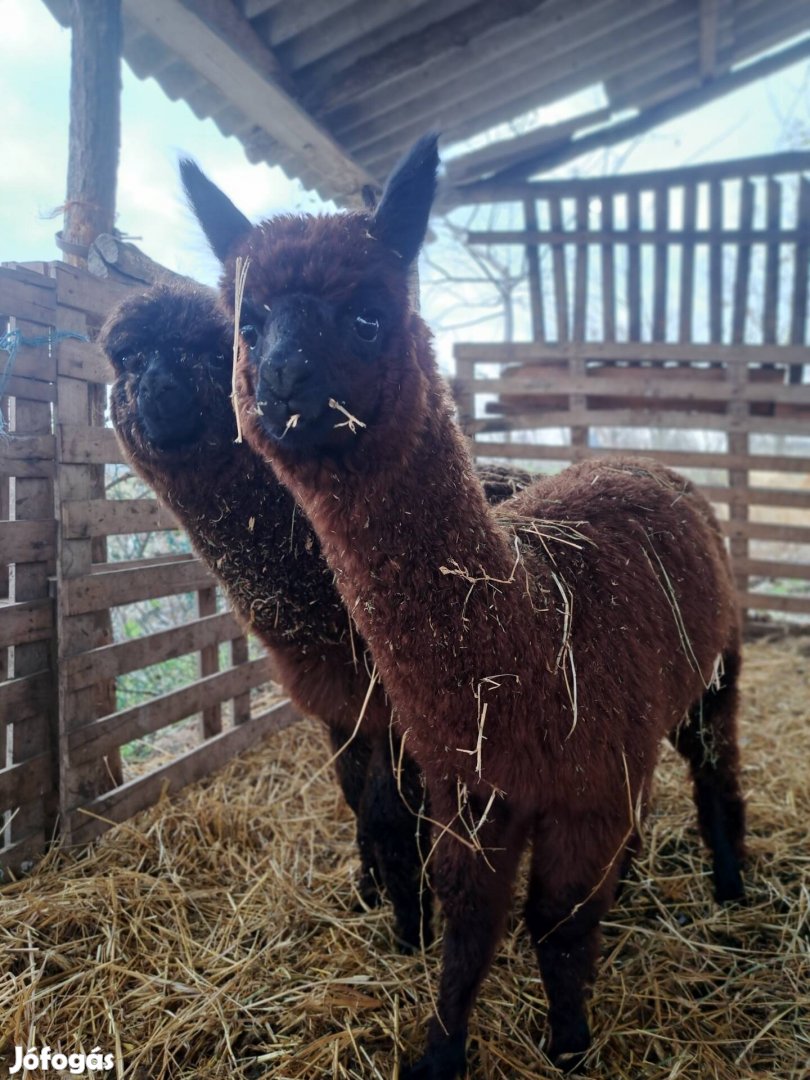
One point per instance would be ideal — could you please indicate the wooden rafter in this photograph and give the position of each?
(570, 148)
(230, 55)
(709, 38)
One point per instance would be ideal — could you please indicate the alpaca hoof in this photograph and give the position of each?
(410, 941)
(570, 1047)
(445, 1061)
(729, 886)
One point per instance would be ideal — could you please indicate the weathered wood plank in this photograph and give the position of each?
(109, 517)
(771, 305)
(110, 661)
(528, 420)
(687, 283)
(25, 781)
(143, 791)
(103, 590)
(27, 455)
(682, 459)
(25, 295)
(801, 259)
(209, 663)
(533, 272)
(640, 382)
(82, 360)
(26, 621)
(608, 274)
(83, 445)
(560, 275)
(526, 352)
(660, 266)
(27, 541)
(94, 739)
(796, 605)
(742, 277)
(715, 240)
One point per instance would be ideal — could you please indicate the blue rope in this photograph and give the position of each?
(12, 341)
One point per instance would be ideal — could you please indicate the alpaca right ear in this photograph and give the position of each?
(221, 222)
(401, 219)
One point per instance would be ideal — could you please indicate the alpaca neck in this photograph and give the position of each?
(434, 583)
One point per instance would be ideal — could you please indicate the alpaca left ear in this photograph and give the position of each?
(221, 222)
(401, 219)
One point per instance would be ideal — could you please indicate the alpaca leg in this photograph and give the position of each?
(708, 740)
(399, 839)
(474, 889)
(574, 872)
(351, 769)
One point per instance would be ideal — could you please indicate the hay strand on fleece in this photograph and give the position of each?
(216, 935)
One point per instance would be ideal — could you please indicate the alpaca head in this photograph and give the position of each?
(176, 400)
(325, 315)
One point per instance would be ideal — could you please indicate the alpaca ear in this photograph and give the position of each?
(221, 222)
(401, 219)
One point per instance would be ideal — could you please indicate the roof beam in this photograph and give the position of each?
(214, 39)
(709, 35)
(628, 129)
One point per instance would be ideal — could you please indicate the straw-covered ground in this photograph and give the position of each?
(216, 936)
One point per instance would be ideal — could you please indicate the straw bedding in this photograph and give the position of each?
(216, 935)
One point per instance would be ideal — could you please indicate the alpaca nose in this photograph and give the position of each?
(162, 393)
(283, 374)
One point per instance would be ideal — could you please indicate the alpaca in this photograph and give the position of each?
(171, 350)
(535, 653)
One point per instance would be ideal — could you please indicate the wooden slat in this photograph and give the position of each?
(608, 274)
(26, 696)
(681, 459)
(770, 568)
(789, 161)
(110, 661)
(634, 235)
(108, 517)
(796, 605)
(642, 382)
(633, 266)
(688, 265)
(715, 261)
(241, 703)
(801, 259)
(144, 791)
(796, 498)
(209, 663)
(25, 781)
(580, 313)
(660, 268)
(27, 455)
(27, 541)
(32, 389)
(742, 275)
(82, 445)
(757, 530)
(27, 296)
(108, 588)
(527, 352)
(83, 360)
(93, 740)
(771, 305)
(28, 620)
(527, 420)
(560, 277)
(533, 272)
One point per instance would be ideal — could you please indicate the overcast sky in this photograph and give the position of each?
(34, 81)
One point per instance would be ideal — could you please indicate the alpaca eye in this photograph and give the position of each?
(131, 362)
(250, 334)
(367, 327)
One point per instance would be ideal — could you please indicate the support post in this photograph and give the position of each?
(95, 122)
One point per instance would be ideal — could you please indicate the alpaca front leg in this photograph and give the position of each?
(397, 832)
(572, 884)
(474, 887)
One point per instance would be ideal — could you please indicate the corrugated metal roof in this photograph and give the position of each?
(334, 90)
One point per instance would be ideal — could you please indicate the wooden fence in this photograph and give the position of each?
(669, 316)
(61, 730)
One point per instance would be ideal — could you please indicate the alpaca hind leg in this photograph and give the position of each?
(574, 873)
(474, 888)
(351, 768)
(707, 738)
(399, 837)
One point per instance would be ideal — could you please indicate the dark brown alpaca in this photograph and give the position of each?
(171, 349)
(535, 653)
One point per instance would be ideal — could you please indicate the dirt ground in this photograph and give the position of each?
(215, 935)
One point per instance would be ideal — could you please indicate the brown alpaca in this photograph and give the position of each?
(171, 349)
(535, 653)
